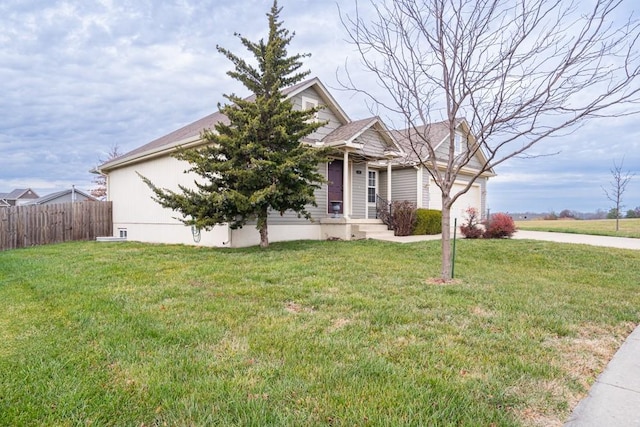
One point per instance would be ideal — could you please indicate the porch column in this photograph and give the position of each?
(366, 190)
(346, 191)
(389, 181)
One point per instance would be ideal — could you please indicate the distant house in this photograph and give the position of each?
(64, 196)
(19, 196)
(370, 163)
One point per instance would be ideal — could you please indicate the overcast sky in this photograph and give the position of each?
(78, 77)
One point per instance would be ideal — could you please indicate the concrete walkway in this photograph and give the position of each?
(614, 399)
(611, 242)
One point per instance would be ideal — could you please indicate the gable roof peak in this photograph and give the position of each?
(18, 193)
(190, 133)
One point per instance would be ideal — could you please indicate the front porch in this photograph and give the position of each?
(364, 151)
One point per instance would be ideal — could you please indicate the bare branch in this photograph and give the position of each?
(518, 72)
(618, 187)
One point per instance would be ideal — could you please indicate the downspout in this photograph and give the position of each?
(228, 243)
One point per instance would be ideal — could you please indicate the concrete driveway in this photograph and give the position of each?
(611, 242)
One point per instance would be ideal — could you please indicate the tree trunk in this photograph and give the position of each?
(264, 232)
(445, 242)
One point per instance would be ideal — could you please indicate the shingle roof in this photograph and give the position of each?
(53, 196)
(348, 131)
(193, 130)
(434, 133)
(16, 194)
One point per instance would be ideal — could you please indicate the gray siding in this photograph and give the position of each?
(374, 145)
(323, 115)
(474, 163)
(382, 189)
(425, 187)
(443, 153)
(403, 184)
(316, 212)
(359, 189)
(382, 183)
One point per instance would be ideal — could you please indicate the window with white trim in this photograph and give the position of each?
(309, 103)
(371, 187)
(457, 147)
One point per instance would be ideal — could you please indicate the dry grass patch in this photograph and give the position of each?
(443, 282)
(482, 312)
(339, 324)
(295, 308)
(588, 353)
(584, 357)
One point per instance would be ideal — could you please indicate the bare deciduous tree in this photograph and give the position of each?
(518, 71)
(618, 187)
(100, 180)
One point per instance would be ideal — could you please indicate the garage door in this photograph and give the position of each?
(471, 198)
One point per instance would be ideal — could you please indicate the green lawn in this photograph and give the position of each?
(308, 333)
(602, 227)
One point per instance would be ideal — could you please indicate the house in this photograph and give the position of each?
(17, 197)
(412, 181)
(369, 164)
(64, 196)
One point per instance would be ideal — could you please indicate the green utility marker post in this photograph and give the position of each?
(453, 255)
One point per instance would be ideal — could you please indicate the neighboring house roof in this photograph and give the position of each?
(190, 134)
(19, 193)
(60, 194)
(17, 197)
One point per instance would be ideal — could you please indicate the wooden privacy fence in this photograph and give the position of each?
(22, 226)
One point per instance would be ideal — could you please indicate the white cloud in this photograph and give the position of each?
(78, 77)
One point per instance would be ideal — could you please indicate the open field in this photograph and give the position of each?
(308, 333)
(601, 227)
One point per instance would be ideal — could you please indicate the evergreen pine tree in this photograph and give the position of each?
(255, 163)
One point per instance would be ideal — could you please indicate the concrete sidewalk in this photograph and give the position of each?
(614, 399)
